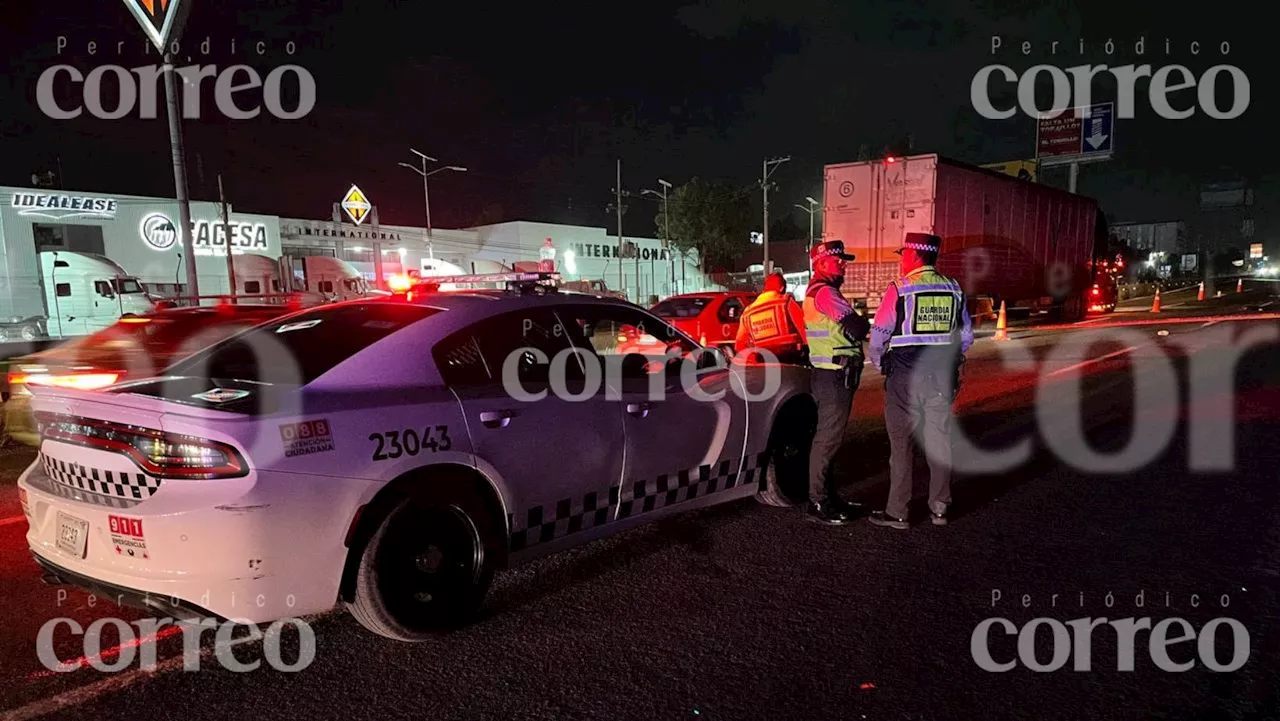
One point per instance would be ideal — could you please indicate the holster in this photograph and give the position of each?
(851, 367)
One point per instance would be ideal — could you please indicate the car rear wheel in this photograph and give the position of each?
(426, 568)
(787, 473)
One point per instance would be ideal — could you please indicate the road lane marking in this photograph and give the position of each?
(122, 680)
(1091, 361)
(1212, 322)
(107, 654)
(11, 521)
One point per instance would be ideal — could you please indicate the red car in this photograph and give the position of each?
(709, 318)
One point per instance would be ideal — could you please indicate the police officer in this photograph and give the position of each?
(773, 322)
(835, 332)
(922, 330)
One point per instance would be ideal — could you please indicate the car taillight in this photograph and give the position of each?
(164, 455)
(79, 381)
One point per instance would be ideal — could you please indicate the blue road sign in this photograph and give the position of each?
(1098, 130)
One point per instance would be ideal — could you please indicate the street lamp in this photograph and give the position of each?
(426, 194)
(813, 204)
(666, 228)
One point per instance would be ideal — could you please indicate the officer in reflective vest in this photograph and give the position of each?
(922, 331)
(835, 332)
(773, 322)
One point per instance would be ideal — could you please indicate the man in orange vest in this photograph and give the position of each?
(774, 322)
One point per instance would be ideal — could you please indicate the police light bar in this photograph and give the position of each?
(488, 278)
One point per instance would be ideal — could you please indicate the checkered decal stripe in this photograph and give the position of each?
(132, 486)
(46, 483)
(542, 524)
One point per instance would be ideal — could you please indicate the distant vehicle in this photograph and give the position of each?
(134, 347)
(712, 318)
(329, 278)
(592, 287)
(256, 274)
(1028, 244)
(394, 481)
(77, 293)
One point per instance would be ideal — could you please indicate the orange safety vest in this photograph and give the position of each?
(769, 325)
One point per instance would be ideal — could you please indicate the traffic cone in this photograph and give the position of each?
(1240, 285)
(1002, 323)
(1155, 304)
(1201, 296)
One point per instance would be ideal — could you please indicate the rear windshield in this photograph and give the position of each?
(302, 347)
(160, 334)
(680, 307)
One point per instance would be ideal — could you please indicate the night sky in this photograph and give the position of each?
(539, 99)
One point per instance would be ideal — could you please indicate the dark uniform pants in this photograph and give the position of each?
(918, 402)
(835, 402)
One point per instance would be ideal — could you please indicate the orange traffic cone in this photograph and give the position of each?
(1002, 323)
(1155, 304)
(1240, 285)
(1201, 296)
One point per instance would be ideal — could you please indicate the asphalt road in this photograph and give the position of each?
(746, 612)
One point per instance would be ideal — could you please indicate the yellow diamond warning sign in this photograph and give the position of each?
(356, 205)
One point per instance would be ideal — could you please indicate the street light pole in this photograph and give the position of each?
(666, 227)
(426, 192)
(810, 210)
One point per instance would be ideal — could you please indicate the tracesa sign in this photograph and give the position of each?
(210, 237)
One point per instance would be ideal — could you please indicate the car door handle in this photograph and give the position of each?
(497, 419)
(639, 410)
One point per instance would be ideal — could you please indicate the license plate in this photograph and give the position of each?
(73, 535)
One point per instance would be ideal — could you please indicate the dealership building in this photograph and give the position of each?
(139, 234)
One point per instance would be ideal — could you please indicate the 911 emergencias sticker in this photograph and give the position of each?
(305, 438)
(126, 536)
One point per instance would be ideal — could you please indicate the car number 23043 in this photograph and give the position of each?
(407, 441)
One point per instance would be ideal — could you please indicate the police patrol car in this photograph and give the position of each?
(371, 453)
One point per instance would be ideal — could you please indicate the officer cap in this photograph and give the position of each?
(830, 247)
(924, 242)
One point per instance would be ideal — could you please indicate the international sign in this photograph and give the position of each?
(356, 205)
(161, 20)
(1064, 135)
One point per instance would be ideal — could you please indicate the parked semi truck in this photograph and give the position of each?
(69, 294)
(325, 276)
(1003, 238)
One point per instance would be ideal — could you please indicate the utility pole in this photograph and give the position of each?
(768, 167)
(226, 234)
(180, 175)
(616, 206)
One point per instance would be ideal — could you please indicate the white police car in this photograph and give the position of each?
(372, 453)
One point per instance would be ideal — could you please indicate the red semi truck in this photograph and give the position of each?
(1002, 238)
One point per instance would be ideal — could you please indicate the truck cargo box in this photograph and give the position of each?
(1002, 237)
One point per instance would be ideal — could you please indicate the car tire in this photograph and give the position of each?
(426, 568)
(787, 471)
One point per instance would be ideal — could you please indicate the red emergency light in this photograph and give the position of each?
(890, 159)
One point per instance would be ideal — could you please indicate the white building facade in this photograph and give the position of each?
(139, 234)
